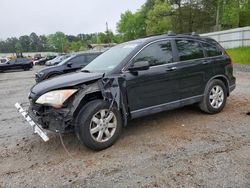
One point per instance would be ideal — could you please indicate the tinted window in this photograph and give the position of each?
(78, 60)
(91, 57)
(156, 54)
(189, 50)
(211, 50)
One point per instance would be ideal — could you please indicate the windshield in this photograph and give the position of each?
(110, 59)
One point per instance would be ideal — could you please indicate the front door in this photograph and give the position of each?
(150, 91)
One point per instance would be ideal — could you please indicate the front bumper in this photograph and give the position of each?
(56, 120)
(37, 129)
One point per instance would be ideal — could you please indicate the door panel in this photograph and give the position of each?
(152, 87)
(194, 67)
(157, 85)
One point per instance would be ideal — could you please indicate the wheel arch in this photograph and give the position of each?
(224, 79)
(53, 73)
(85, 99)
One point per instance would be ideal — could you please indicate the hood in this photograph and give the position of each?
(48, 69)
(64, 81)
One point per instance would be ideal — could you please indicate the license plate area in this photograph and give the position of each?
(37, 129)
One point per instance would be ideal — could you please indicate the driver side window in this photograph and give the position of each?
(158, 53)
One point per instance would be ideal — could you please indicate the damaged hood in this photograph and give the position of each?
(65, 81)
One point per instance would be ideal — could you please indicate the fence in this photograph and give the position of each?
(231, 38)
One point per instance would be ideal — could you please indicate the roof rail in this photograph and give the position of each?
(192, 34)
(171, 33)
(195, 34)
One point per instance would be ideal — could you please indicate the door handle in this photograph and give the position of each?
(171, 69)
(206, 62)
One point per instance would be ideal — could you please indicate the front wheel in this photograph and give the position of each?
(215, 97)
(97, 127)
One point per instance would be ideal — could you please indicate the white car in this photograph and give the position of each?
(3, 59)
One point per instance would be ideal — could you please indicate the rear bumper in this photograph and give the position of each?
(232, 87)
(232, 84)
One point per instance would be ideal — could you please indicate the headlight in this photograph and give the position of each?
(40, 74)
(55, 98)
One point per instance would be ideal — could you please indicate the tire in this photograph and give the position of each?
(91, 117)
(26, 69)
(215, 97)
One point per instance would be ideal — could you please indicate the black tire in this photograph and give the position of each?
(206, 104)
(84, 123)
(26, 69)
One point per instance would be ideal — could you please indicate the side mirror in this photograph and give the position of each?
(139, 65)
(69, 64)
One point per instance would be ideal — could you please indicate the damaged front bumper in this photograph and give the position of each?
(37, 129)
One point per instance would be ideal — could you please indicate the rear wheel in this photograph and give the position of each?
(97, 127)
(215, 97)
(26, 68)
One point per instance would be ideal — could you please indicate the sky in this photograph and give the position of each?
(22, 17)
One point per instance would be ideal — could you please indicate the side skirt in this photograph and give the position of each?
(165, 106)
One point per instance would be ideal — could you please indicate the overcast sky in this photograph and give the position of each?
(20, 17)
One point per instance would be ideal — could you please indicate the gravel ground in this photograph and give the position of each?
(178, 148)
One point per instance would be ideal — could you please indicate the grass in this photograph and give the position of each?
(240, 55)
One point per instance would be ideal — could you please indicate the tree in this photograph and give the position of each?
(159, 18)
(25, 43)
(18, 47)
(131, 26)
(58, 42)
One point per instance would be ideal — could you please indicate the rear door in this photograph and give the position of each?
(195, 68)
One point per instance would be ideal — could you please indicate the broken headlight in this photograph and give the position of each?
(55, 98)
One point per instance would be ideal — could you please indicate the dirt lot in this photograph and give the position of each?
(179, 148)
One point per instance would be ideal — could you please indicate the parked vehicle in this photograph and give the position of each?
(131, 80)
(43, 60)
(3, 60)
(37, 56)
(19, 63)
(71, 64)
(56, 60)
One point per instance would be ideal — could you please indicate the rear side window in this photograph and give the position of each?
(211, 50)
(189, 50)
(158, 53)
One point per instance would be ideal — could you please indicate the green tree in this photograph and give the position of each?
(18, 47)
(58, 42)
(159, 18)
(132, 26)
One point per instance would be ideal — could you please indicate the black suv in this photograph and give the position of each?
(71, 64)
(132, 80)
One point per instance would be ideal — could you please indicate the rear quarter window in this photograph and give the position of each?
(211, 50)
(189, 49)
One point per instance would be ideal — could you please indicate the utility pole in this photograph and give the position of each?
(217, 16)
(107, 30)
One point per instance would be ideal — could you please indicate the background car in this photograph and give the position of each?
(19, 63)
(56, 60)
(43, 60)
(3, 59)
(71, 64)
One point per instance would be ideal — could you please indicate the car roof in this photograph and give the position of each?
(152, 38)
